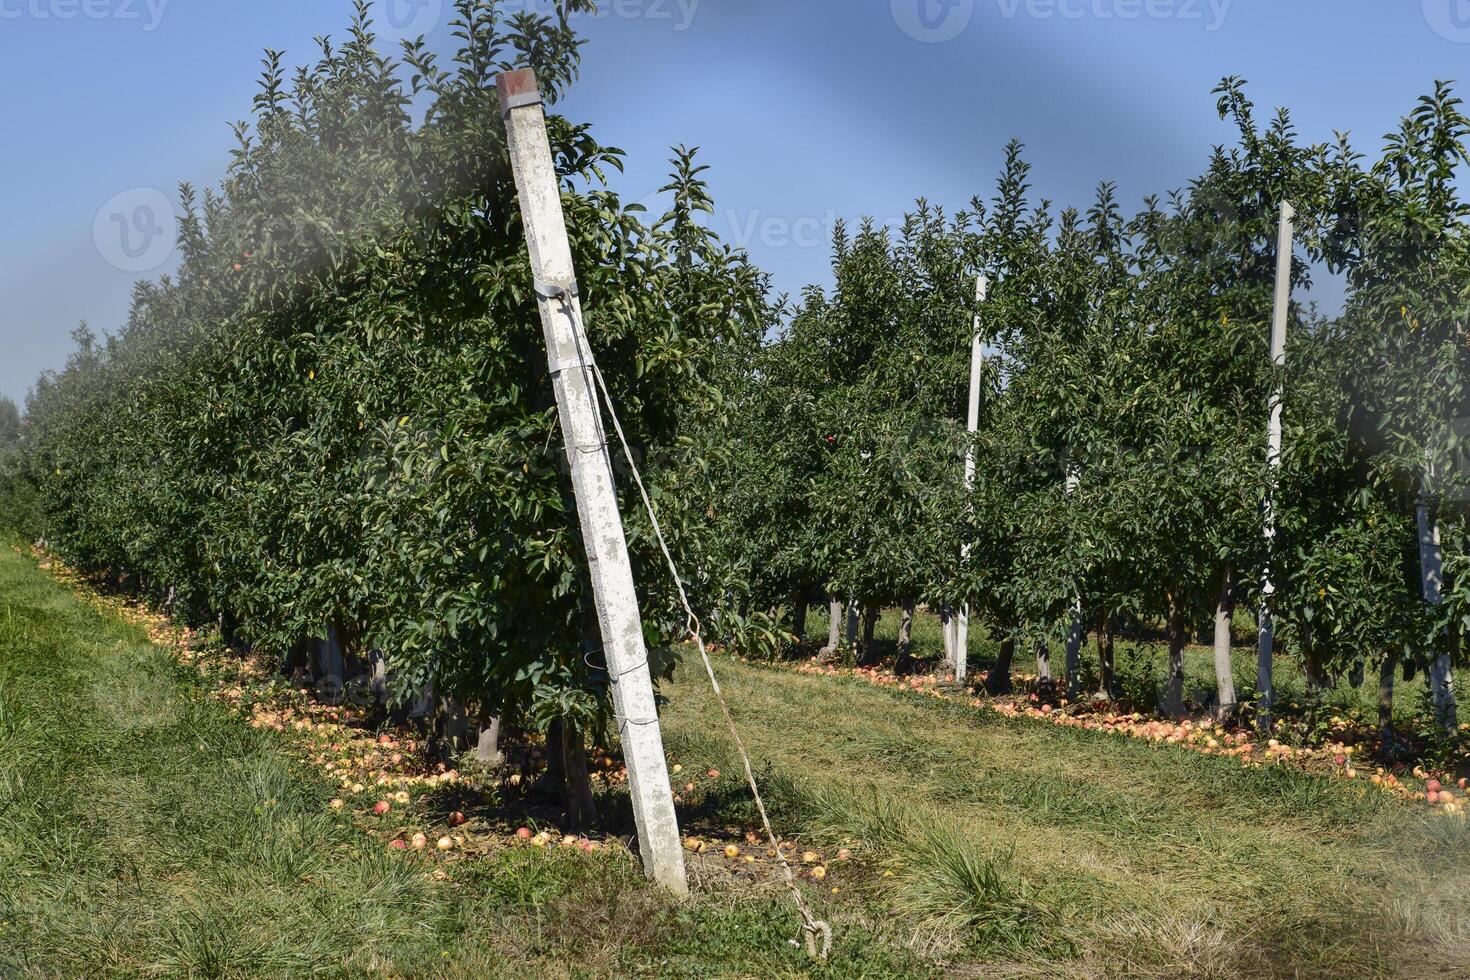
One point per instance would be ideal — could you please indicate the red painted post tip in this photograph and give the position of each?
(517, 88)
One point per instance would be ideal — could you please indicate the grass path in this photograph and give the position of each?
(1119, 857)
(145, 831)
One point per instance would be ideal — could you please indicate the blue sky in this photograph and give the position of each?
(808, 110)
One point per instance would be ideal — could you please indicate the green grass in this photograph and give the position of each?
(1029, 848)
(145, 832)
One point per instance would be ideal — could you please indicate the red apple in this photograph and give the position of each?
(456, 819)
(524, 833)
(382, 807)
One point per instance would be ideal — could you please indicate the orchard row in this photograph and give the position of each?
(332, 431)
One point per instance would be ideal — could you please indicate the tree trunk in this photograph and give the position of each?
(488, 749)
(1224, 665)
(1171, 703)
(1043, 663)
(556, 755)
(451, 731)
(798, 617)
(330, 667)
(1265, 667)
(947, 633)
(1075, 635)
(378, 683)
(1107, 669)
(869, 653)
(1313, 668)
(905, 638)
(1355, 675)
(1442, 694)
(834, 629)
(581, 808)
(1385, 699)
(999, 681)
(300, 666)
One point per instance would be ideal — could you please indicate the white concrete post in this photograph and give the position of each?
(592, 480)
(977, 370)
(1075, 631)
(1431, 569)
(948, 632)
(1265, 689)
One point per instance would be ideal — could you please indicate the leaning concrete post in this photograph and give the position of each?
(592, 480)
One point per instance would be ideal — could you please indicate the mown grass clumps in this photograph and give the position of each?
(145, 830)
(979, 839)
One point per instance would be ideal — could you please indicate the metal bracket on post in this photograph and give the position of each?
(579, 410)
(517, 90)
